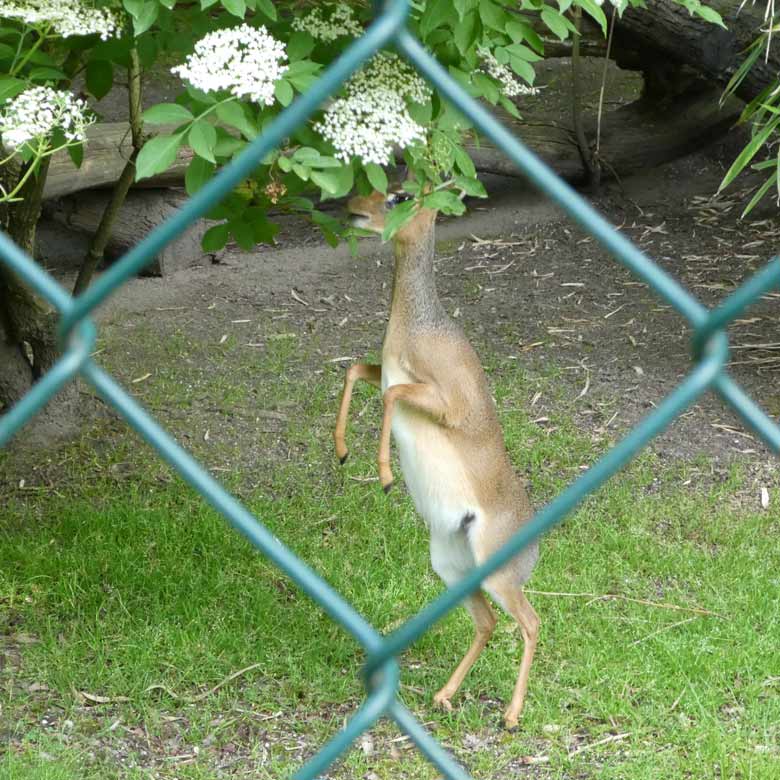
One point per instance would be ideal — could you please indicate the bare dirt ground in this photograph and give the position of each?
(526, 284)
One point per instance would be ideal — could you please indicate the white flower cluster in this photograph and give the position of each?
(373, 118)
(66, 17)
(511, 86)
(340, 21)
(37, 112)
(246, 61)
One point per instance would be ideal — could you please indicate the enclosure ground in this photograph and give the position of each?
(125, 604)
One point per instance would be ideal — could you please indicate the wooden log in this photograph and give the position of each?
(665, 33)
(105, 153)
(634, 136)
(142, 211)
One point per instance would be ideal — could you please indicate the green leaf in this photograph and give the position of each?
(377, 176)
(710, 15)
(215, 238)
(509, 107)
(522, 68)
(747, 154)
(6, 52)
(227, 145)
(46, 74)
(267, 8)
(147, 50)
(307, 155)
(397, 217)
(302, 74)
(594, 10)
(461, 6)
(233, 114)
(520, 31)
(464, 162)
(199, 171)
(235, 7)
(10, 87)
(303, 172)
(76, 154)
(243, 234)
(334, 182)
(264, 232)
(446, 201)
(299, 45)
(487, 87)
(203, 138)
(157, 155)
(284, 92)
(762, 190)
(556, 22)
(467, 32)
(146, 16)
(492, 15)
(471, 186)
(99, 77)
(436, 14)
(284, 163)
(167, 113)
(523, 52)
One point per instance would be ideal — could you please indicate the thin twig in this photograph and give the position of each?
(661, 630)
(618, 597)
(206, 694)
(545, 759)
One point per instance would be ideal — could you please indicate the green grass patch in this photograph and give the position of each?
(135, 591)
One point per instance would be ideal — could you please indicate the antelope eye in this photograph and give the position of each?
(394, 198)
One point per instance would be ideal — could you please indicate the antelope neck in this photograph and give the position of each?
(414, 283)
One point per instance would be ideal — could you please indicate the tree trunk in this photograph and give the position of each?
(667, 35)
(29, 344)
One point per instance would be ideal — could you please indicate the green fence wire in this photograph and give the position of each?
(77, 334)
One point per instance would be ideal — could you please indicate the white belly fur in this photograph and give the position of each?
(437, 480)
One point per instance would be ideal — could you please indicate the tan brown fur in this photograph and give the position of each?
(437, 400)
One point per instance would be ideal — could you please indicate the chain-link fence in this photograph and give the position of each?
(381, 673)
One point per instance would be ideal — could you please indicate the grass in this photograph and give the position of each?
(120, 583)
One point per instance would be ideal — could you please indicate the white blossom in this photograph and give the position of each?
(66, 17)
(511, 86)
(37, 112)
(339, 22)
(246, 61)
(373, 117)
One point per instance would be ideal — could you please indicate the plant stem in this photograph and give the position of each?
(97, 246)
(589, 163)
(41, 38)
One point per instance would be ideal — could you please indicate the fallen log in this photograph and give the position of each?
(640, 134)
(107, 149)
(637, 135)
(142, 211)
(670, 38)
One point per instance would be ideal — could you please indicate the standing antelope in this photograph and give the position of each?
(453, 458)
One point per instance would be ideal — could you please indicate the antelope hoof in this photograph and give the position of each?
(342, 453)
(442, 699)
(385, 477)
(510, 721)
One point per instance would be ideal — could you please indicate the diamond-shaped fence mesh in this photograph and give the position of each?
(381, 673)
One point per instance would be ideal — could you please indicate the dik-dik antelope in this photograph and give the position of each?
(453, 458)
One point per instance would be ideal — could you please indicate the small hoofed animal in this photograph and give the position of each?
(454, 461)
